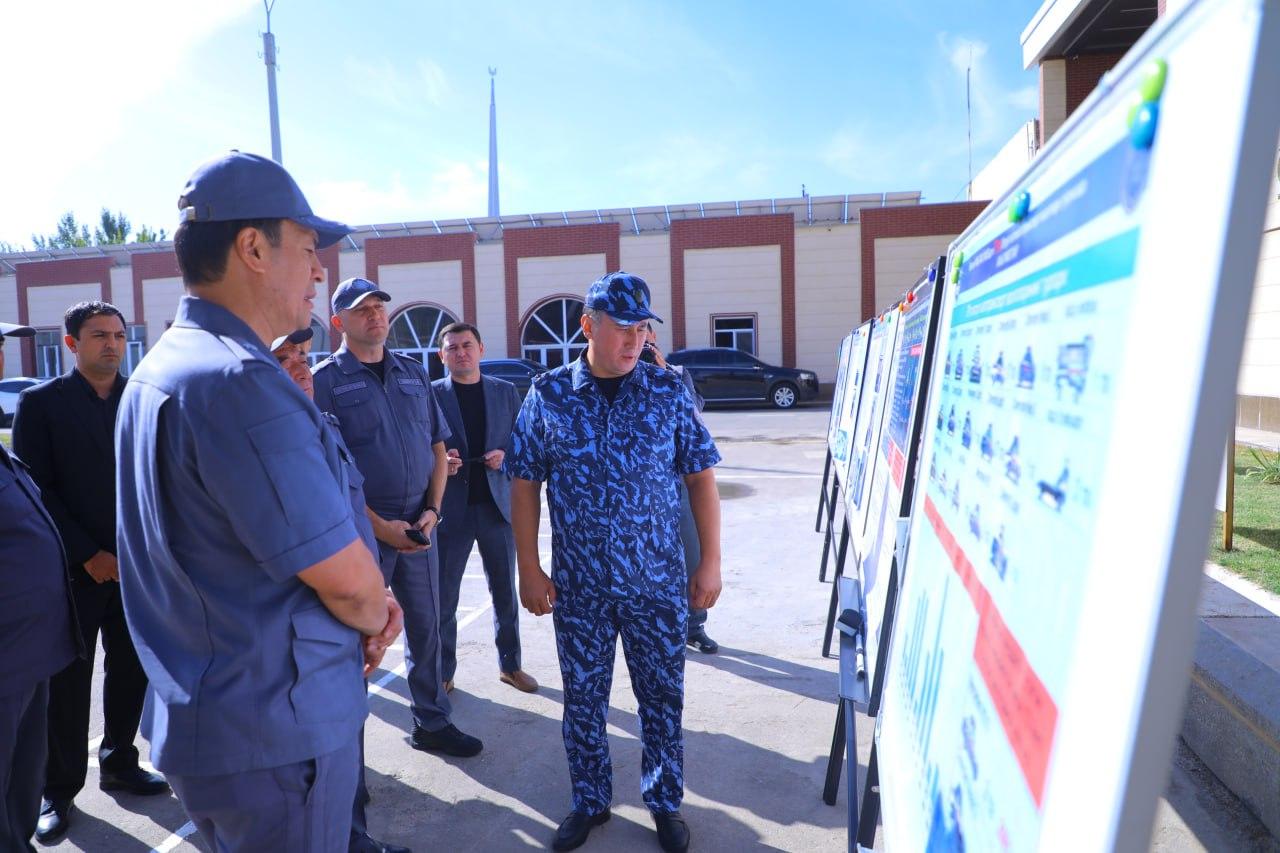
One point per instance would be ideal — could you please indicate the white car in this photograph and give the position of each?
(9, 391)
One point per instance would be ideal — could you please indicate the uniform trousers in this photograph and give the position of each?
(303, 807)
(415, 580)
(692, 548)
(124, 685)
(479, 524)
(23, 745)
(653, 642)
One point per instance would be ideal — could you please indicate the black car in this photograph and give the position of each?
(730, 375)
(517, 371)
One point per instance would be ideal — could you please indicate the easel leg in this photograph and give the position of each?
(851, 757)
(835, 760)
(830, 537)
(841, 554)
(870, 803)
(822, 494)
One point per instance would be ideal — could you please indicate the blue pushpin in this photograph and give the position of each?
(933, 274)
(1020, 206)
(1143, 132)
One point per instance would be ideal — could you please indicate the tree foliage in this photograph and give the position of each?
(112, 229)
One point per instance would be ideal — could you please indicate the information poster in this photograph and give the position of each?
(866, 431)
(892, 471)
(842, 370)
(842, 445)
(1044, 627)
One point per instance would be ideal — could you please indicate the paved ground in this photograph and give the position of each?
(758, 715)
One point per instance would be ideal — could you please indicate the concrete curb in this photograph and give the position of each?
(1232, 720)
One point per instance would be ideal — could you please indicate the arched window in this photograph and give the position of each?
(552, 334)
(414, 332)
(321, 348)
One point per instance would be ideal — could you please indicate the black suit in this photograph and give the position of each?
(65, 433)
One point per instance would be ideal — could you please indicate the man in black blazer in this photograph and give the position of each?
(481, 411)
(64, 431)
(37, 632)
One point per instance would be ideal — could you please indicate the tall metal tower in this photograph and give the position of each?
(269, 57)
(493, 146)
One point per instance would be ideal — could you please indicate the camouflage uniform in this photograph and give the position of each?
(617, 564)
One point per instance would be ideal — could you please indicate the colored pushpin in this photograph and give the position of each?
(902, 307)
(1019, 207)
(1143, 131)
(911, 297)
(1153, 81)
(933, 274)
(956, 264)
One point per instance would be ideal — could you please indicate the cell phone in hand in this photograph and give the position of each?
(413, 534)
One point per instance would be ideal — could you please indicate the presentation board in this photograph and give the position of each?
(1084, 378)
(894, 471)
(837, 390)
(848, 410)
(866, 430)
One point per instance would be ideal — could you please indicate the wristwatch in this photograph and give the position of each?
(439, 517)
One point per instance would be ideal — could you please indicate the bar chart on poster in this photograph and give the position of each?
(847, 411)
(1043, 632)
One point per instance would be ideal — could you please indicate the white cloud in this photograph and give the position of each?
(453, 190)
(391, 86)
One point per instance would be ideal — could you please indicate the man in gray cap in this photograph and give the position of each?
(253, 612)
(37, 632)
(389, 416)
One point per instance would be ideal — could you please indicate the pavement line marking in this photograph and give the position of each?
(377, 687)
(726, 476)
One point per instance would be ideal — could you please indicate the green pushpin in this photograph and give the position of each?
(1153, 81)
(955, 267)
(1019, 207)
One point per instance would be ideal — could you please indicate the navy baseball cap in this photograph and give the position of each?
(13, 330)
(353, 291)
(622, 296)
(301, 336)
(247, 186)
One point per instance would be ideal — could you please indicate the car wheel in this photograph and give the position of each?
(783, 395)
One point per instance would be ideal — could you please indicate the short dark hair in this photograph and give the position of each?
(202, 247)
(77, 314)
(457, 329)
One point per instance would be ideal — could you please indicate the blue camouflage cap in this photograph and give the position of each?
(239, 186)
(353, 291)
(622, 296)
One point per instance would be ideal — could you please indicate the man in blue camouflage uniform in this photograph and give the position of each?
(609, 435)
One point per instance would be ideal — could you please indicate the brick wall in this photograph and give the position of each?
(52, 273)
(423, 249)
(1083, 74)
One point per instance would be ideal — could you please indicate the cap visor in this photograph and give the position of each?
(381, 294)
(13, 330)
(630, 318)
(327, 231)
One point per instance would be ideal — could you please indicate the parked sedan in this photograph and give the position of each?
(9, 391)
(730, 375)
(518, 371)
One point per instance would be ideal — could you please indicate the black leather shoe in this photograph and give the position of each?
(365, 844)
(574, 829)
(135, 780)
(673, 832)
(55, 819)
(448, 740)
(700, 641)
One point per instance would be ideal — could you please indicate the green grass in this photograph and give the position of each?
(1255, 552)
(5, 440)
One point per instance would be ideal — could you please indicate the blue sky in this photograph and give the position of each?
(384, 106)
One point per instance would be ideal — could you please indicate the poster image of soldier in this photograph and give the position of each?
(1027, 371)
(999, 560)
(1054, 495)
(959, 374)
(975, 366)
(946, 369)
(975, 523)
(966, 434)
(997, 369)
(955, 496)
(1073, 366)
(951, 422)
(1013, 465)
(987, 445)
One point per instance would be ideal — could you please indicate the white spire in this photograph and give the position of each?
(493, 146)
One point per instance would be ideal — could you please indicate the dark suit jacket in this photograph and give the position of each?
(501, 405)
(60, 434)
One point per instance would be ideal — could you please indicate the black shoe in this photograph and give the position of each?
(700, 641)
(135, 780)
(673, 832)
(365, 844)
(574, 829)
(448, 740)
(55, 819)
